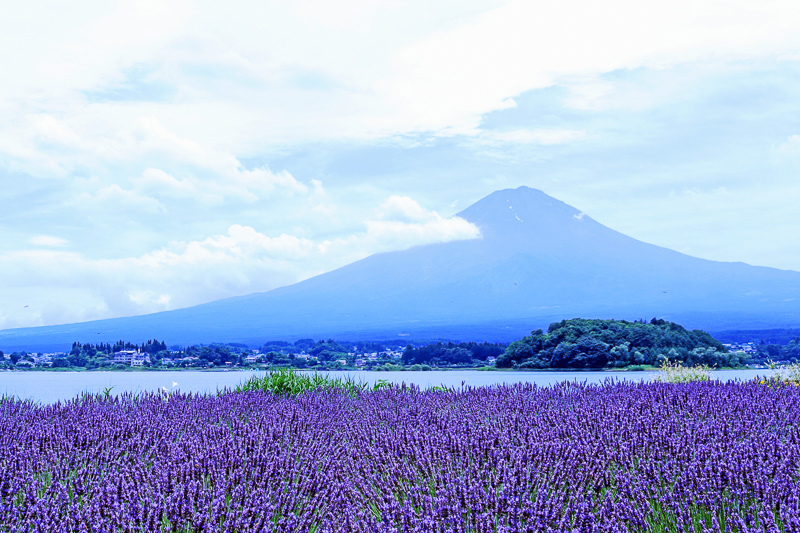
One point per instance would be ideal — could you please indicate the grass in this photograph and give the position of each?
(782, 375)
(675, 372)
(288, 382)
(789, 373)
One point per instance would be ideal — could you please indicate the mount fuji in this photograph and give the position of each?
(538, 260)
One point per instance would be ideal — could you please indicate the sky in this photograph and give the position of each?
(161, 154)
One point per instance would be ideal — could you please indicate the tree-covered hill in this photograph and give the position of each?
(590, 343)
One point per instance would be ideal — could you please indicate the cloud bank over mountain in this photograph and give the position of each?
(188, 273)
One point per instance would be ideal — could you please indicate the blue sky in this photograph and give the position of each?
(155, 155)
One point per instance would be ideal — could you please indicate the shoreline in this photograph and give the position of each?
(323, 370)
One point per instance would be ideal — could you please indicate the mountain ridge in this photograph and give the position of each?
(538, 260)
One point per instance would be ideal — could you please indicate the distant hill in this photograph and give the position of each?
(593, 343)
(539, 261)
(758, 336)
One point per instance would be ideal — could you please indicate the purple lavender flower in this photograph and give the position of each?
(618, 457)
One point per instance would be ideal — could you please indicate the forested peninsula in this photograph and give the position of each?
(591, 343)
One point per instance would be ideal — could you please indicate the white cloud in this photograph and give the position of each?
(157, 181)
(240, 261)
(115, 198)
(223, 172)
(78, 45)
(400, 222)
(404, 209)
(48, 240)
(49, 130)
(240, 242)
(242, 185)
(447, 82)
(791, 147)
(141, 165)
(248, 74)
(392, 229)
(394, 234)
(145, 298)
(534, 136)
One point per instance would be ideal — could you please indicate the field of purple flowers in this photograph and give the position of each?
(659, 457)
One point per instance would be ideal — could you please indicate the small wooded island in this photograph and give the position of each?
(588, 343)
(569, 344)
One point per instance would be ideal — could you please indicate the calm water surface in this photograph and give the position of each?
(50, 387)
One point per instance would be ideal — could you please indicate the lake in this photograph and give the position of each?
(50, 387)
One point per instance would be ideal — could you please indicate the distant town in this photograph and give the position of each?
(305, 353)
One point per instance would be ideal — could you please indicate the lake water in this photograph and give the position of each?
(50, 387)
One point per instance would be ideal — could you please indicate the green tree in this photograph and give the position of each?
(591, 343)
(60, 362)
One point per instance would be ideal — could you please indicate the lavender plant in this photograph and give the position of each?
(616, 457)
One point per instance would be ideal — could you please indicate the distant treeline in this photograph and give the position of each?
(588, 343)
(758, 336)
(89, 349)
(778, 352)
(313, 347)
(576, 343)
(437, 354)
(451, 354)
(88, 355)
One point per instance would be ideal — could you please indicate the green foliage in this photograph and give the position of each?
(592, 343)
(304, 344)
(216, 354)
(100, 355)
(388, 367)
(329, 350)
(370, 346)
(451, 354)
(277, 346)
(770, 352)
(286, 381)
(60, 362)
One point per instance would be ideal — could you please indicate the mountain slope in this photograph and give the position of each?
(538, 260)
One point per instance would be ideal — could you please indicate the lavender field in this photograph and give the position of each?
(616, 457)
